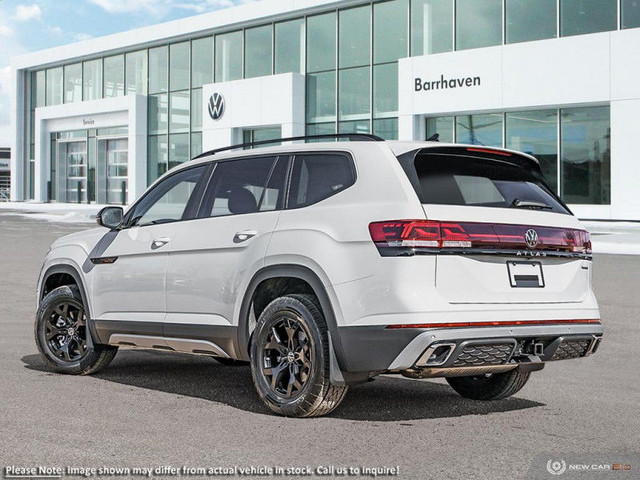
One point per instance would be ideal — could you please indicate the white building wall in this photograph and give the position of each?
(130, 110)
(17, 146)
(269, 101)
(597, 69)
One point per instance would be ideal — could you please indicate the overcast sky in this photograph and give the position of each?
(27, 26)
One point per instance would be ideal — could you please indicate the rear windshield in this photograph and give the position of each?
(447, 179)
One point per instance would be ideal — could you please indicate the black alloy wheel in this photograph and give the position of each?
(66, 331)
(63, 335)
(290, 358)
(286, 356)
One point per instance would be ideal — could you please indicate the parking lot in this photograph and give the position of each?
(150, 409)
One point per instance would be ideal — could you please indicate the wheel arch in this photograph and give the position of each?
(285, 271)
(70, 271)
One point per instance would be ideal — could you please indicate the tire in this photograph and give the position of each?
(290, 347)
(230, 362)
(61, 335)
(490, 387)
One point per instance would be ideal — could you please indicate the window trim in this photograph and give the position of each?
(188, 213)
(294, 156)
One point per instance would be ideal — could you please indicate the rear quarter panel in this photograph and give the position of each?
(332, 236)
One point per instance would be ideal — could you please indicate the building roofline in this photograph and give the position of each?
(206, 23)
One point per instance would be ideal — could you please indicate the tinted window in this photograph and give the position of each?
(238, 187)
(167, 201)
(319, 176)
(463, 180)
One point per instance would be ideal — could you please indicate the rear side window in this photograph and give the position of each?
(316, 177)
(473, 181)
(248, 185)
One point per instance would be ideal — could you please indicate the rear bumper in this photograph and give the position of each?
(377, 349)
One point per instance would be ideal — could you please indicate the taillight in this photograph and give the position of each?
(403, 236)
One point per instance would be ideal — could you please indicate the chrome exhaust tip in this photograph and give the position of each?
(436, 355)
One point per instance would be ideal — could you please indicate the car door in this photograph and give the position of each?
(213, 256)
(129, 292)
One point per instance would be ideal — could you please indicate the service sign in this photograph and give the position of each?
(451, 82)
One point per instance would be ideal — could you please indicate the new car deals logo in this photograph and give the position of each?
(216, 106)
(556, 467)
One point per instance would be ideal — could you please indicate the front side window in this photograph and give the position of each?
(245, 186)
(168, 200)
(316, 177)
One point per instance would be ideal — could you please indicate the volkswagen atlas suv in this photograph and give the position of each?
(325, 264)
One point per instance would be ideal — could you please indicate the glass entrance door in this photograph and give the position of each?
(113, 157)
(72, 172)
(117, 162)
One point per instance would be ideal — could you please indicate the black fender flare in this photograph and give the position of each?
(303, 273)
(70, 270)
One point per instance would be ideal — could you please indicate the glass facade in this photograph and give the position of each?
(483, 129)
(349, 56)
(92, 80)
(478, 23)
(431, 26)
(114, 76)
(527, 21)
(390, 30)
(578, 17)
(258, 51)
(228, 54)
(321, 42)
(585, 150)
(572, 145)
(289, 41)
(630, 13)
(354, 40)
(536, 133)
(73, 83)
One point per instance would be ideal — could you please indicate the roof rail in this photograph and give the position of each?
(352, 137)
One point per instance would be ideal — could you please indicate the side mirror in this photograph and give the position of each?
(110, 217)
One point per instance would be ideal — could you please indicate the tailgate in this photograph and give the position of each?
(501, 268)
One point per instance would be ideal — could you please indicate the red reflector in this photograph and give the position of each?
(487, 150)
(495, 324)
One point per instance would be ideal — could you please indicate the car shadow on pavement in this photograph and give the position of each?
(385, 399)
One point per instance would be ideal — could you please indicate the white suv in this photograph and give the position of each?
(325, 264)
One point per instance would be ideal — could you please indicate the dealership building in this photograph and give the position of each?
(100, 120)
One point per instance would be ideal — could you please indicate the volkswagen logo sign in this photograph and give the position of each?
(216, 106)
(531, 238)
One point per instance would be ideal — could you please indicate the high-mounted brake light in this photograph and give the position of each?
(488, 150)
(405, 236)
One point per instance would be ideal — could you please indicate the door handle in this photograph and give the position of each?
(244, 236)
(159, 242)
